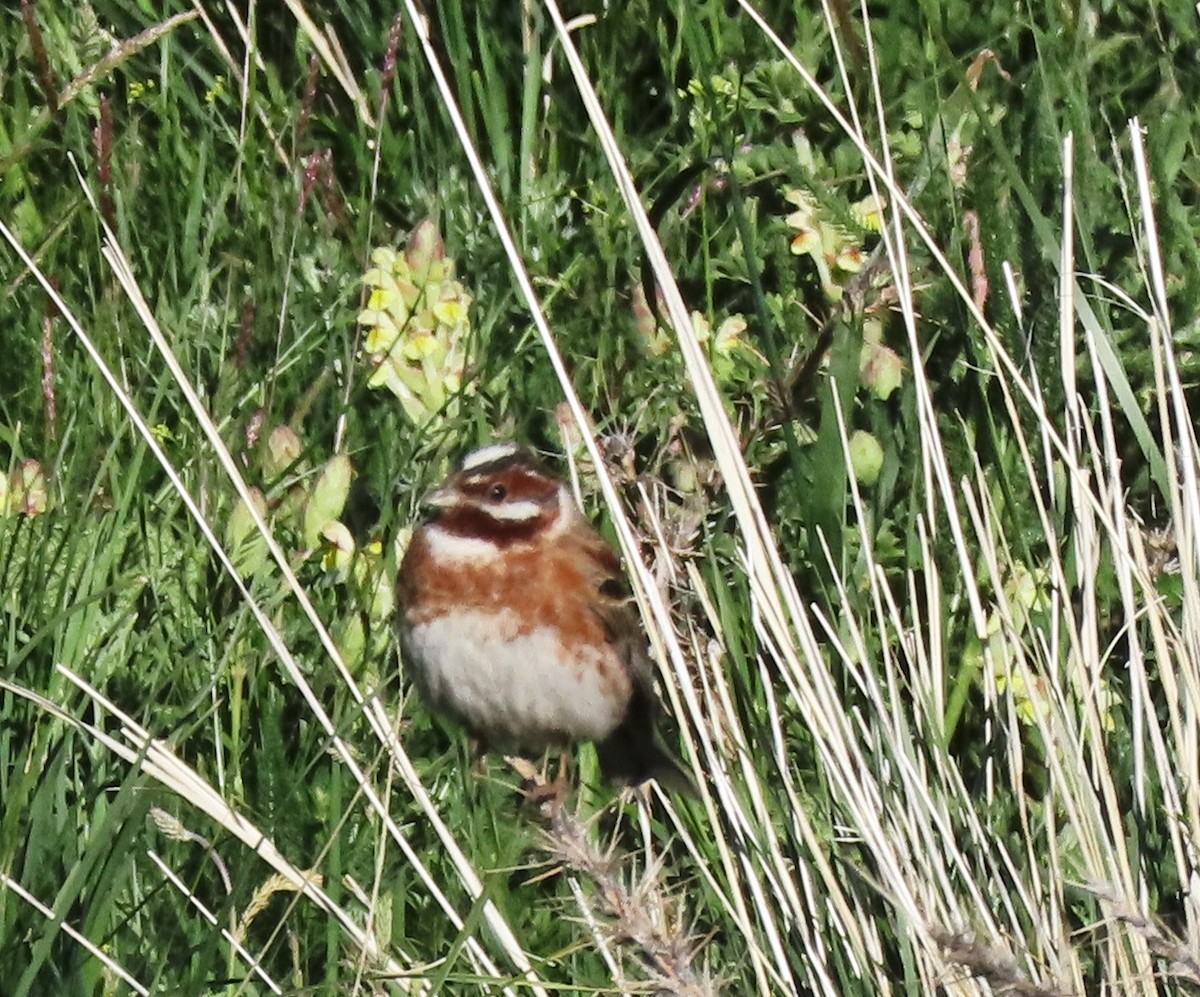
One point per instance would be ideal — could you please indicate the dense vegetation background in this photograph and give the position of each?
(895, 436)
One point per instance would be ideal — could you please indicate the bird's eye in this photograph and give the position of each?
(497, 493)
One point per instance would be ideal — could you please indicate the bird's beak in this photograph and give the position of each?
(440, 498)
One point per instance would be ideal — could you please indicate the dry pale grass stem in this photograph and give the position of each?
(275, 883)
(1183, 962)
(171, 826)
(642, 919)
(1001, 971)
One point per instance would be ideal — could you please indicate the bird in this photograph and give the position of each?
(516, 621)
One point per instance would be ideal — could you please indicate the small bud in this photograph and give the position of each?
(866, 457)
(683, 476)
(881, 369)
(651, 335)
(283, 449)
(425, 249)
(339, 550)
(729, 334)
(868, 212)
(27, 489)
(327, 498)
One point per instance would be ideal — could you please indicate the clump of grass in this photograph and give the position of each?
(640, 918)
(898, 418)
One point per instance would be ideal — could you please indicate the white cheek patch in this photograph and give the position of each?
(488, 454)
(565, 516)
(513, 512)
(444, 545)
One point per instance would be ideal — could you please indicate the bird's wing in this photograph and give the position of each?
(614, 605)
(631, 754)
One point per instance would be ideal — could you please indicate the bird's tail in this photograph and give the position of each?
(629, 757)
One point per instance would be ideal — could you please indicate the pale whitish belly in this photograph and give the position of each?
(512, 689)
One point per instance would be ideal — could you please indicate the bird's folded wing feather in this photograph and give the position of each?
(617, 612)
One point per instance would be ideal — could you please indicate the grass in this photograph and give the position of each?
(868, 341)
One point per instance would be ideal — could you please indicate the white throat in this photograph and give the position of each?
(447, 546)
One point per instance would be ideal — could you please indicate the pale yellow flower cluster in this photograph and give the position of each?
(728, 336)
(730, 354)
(837, 252)
(1026, 592)
(25, 491)
(417, 324)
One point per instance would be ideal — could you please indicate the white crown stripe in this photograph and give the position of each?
(488, 455)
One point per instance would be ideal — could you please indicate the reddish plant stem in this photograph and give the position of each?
(41, 60)
(388, 76)
(102, 140)
(308, 102)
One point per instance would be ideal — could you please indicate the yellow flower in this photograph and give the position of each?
(801, 198)
(806, 241)
(383, 258)
(339, 550)
(868, 212)
(450, 312)
(1029, 700)
(729, 334)
(384, 375)
(215, 91)
(383, 335)
(420, 346)
(851, 259)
